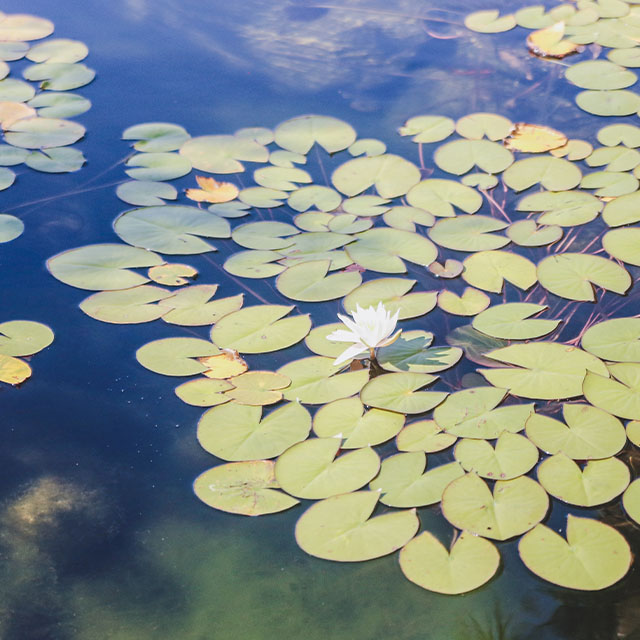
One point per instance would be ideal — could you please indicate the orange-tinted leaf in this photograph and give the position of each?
(13, 370)
(172, 275)
(224, 365)
(549, 43)
(212, 191)
(534, 138)
(11, 112)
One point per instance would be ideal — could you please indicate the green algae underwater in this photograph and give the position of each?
(511, 267)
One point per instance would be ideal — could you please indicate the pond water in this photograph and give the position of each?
(101, 536)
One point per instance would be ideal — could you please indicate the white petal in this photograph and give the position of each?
(350, 352)
(340, 335)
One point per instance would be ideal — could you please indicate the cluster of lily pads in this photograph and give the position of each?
(36, 132)
(356, 437)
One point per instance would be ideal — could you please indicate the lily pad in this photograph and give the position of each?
(617, 339)
(526, 233)
(488, 270)
(460, 156)
(599, 75)
(318, 196)
(53, 104)
(609, 103)
(479, 125)
(157, 166)
(24, 337)
(406, 218)
(146, 193)
(238, 432)
(619, 396)
(59, 76)
(43, 133)
(622, 210)
(309, 282)
(191, 307)
(489, 22)
(311, 469)
(245, 488)
(618, 158)
(399, 392)
(554, 174)
(58, 50)
(128, 306)
(299, 134)
(370, 206)
(428, 128)
(439, 197)
(564, 208)
(413, 354)
(340, 528)
(56, 160)
(620, 133)
(204, 392)
(10, 227)
(424, 435)
(18, 26)
(280, 178)
(156, 137)
(13, 370)
(631, 500)
(258, 388)
(176, 356)
(593, 557)
(475, 344)
(471, 302)
(469, 233)
(512, 321)
(610, 184)
(623, 244)
(266, 235)
(222, 153)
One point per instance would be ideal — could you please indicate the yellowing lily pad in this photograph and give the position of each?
(204, 392)
(534, 138)
(399, 392)
(594, 556)
(311, 470)
(238, 432)
(514, 507)
(224, 365)
(246, 488)
(589, 433)
(13, 370)
(340, 528)
(471, 562)
(550, 43)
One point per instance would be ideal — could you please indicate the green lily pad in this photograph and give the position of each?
(482, 181)
(10, 227)
(488, 21)
(469, 233)
(11, 156)
(460, 156)
(171, 229)
(59, 76)
(43, 133)
(609, 103)
(266, 235)
(262, 198)
(311, 469)
(406, 218)
(593, 557)
(254, 264)
(245, 488)
(623, 244)
(383, 249)
(549, 370)
(600, 481)
(257, 388)
(469, 303)
(488, 270)
(318, 196)
(450, 268)
(574, 275)
(58, 50)
(479, 125)
(368, 147)
(512, 456)
(474, 413)
(313, 221)
(599, 75)
(191, 307)
(13, 50)
(554, 174)
(399, 392)
(282, 158)
(526, 233)
(620, 133)
(128, 306)
(631, 500)
(346, 419)
(176, 356)
(413, 354)
(370, 206)
(340, 528)
(349, 223)
(617, 339)
(564, 208)
(157, 166)
(512, 321)
(299, 134)
(222, 153)
(402, 482)
(625, 57)
(24, 338)
(439, 197)
(263, 135)
(314, 380)
(56, 160)
(393, 293)
(237, 432)
(12, 90)
(309, 282)
(20, 26)
(146, 193)
(475, 344)
(515, 507)
(622, 210)
(280, 178)
(390, 174)
(100, 267)
(428, 128)
(59, 105)
(260, 329)
(610, 184)
(318, 342)
(633, 432)
(156, 137)
(619, 158)
(471, 562)
(424, 435)
(621, 396)
(589, 433)
(204, 392)
(573, 150)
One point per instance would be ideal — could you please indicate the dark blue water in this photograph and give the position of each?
(100, 534)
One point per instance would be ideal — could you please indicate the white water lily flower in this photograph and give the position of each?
(370, 328)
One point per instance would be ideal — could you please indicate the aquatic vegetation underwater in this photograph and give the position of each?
(488, 246)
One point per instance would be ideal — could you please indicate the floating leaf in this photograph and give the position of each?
(402, 482)
(368, 147)
(176, 356)
(482, 181)
(631, 500)
(43, 133)
(621, 133)
(450, 268)
(172, 275)
(475, 344)
(488, 270)
(12, 90)
(622, 210)
(224, 365)
(399, 392)
(365, 206)
(469, 303)
(238, 432)
(280, 178)
(102, 266)
(246, 488)
(618, 158)
(59, 76)
(600, 481)
(599, 75)
(412, 353)
(617, 339)
(146, 193)
(281, 158)
(460, 156)
(340, 528)
(609, 103)
(438, 197)
(259, 134)
(567, 208)
(59, 105)
(222, 153)
(610, 184)
(623, 244)
(234, 209)
(258, 387)
(593, 557)
(260, 329)
(573, 150)
(58, 50)
(534, 138)
(428, 128)
(264, 235)
(424, 435)
(512, 456)
(11, 156)
(157, 166)
(549, 42)
(190, 307)
(311, 469)
(471, 562)
(10, 227)
(489, 22)
(589, 433)
(19, 26)
(515, 507)
(549, 370)
(212, 191)
(128, 306)
(472, 413)
(314, 380)
(254, 264)
(24, 337)
(526, 233)
(390, 174)
(512, 321)
(322, 198)
(299, 134)
(204, 392)
(346, 419)
(11, 112)
(156, 137)
(13, 370)
(309, 282)
(406, 218)
(621, 396)
(554, 174)
(318, 342)
(468, 233)
(57, 160)
(478, 125)
(574, 276)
